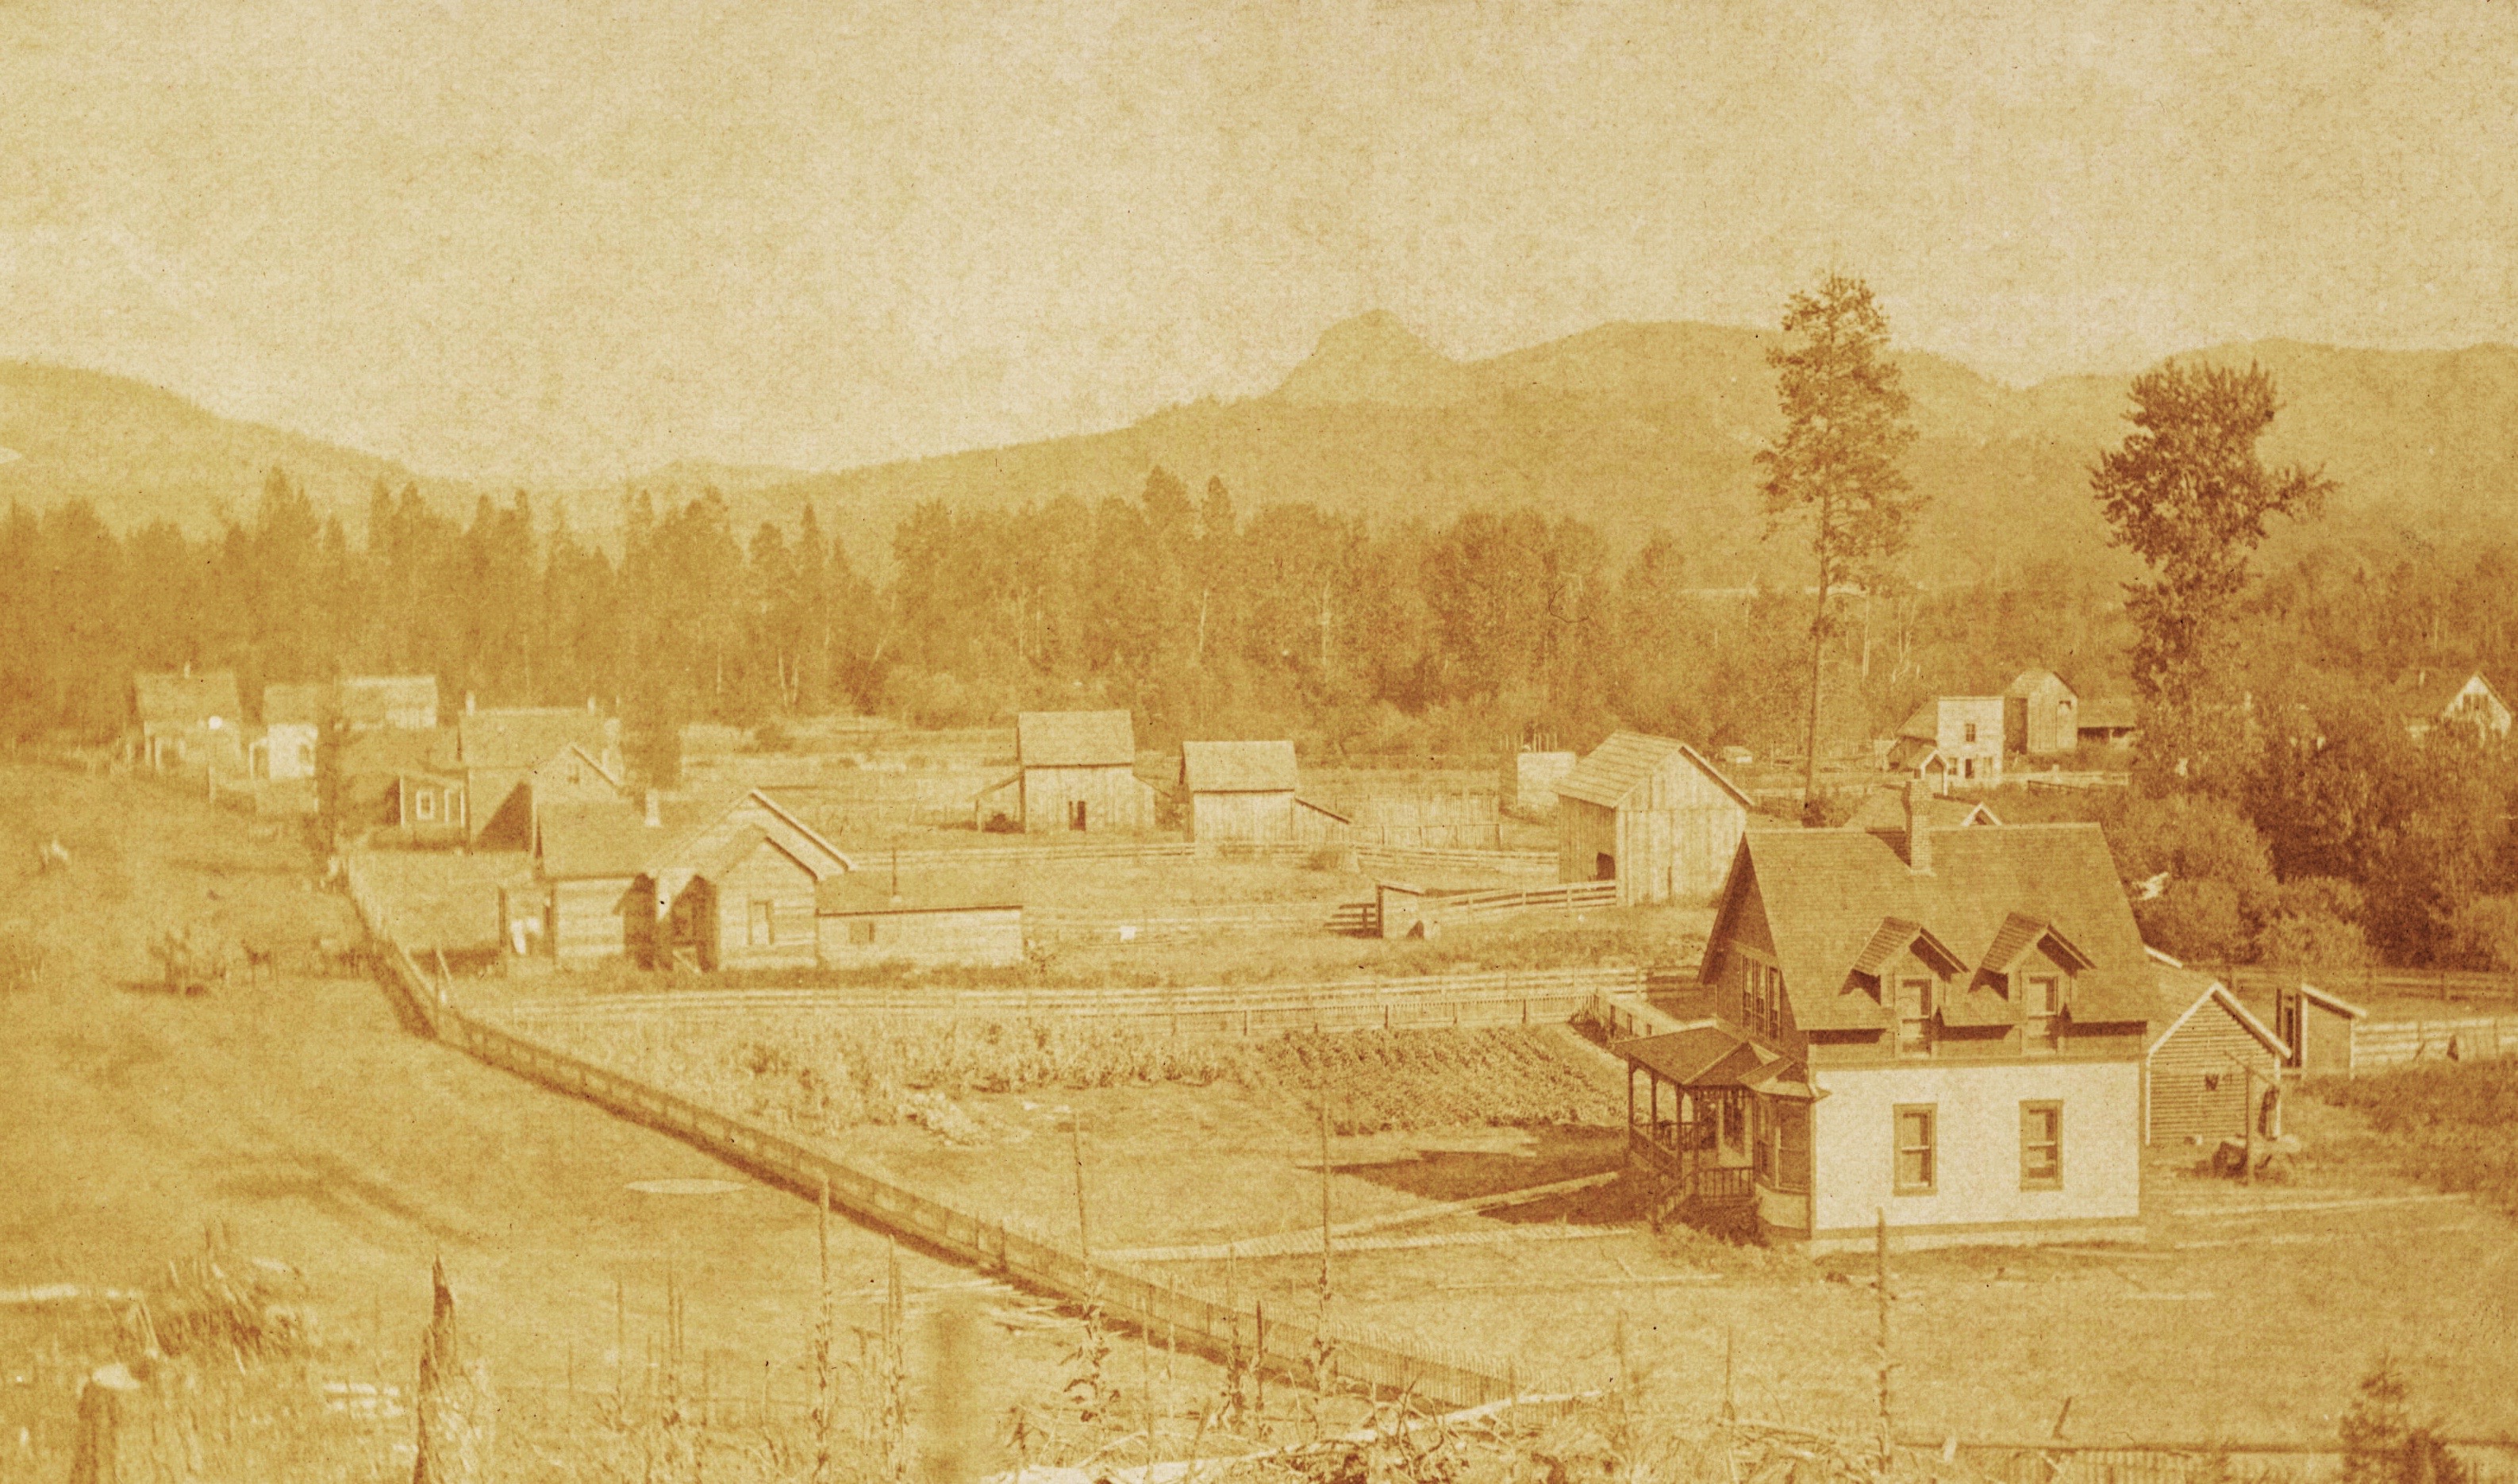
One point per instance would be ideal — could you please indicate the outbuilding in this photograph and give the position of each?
(862, 923)
(2040, 714)
(1073, 770)
(2319, 1028)
(1651, 814)
(2205, 1062)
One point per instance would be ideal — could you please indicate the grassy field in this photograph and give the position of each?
(2453, 1125)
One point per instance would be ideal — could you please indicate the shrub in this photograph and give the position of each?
(2483, 933)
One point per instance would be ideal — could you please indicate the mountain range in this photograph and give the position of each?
(1633, 427)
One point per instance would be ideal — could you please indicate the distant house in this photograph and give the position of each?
(1242, 793)
(2040, 715)
(2106, 720)
(407, 702)
(406, 784)
(717, 884)
(1073, 770)
(860, 924)
(188, 721)
(1651, 814)
(2446, 698)
(2203, 1054)
(1885, 808)
(515, 763)
(292, 723)
(2318, 1027)
(1946, 1028)
(1950, 741)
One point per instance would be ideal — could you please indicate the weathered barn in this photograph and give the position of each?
(2108, 720)
(188, 721)
(515, 763)
(2204, 1053)
(1963, 731)
(2427, 699)
(2040, 715)
(709, 884)
(862, 923)
(405, 702)
(1074, 771)
(2319, 1028)
(292, 723)
(1242, 793)
(1651, 814)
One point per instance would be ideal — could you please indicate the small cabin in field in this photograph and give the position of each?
(2205, 1055)
(2319, 1028)
(402, 702)
(2106, 720)
(292, 723)
(705, 884)
(516, 762)
(1651, 814)
(861, 923)
(188, 721)
(406, 784)
(1952, 742)
(2040, 715)
(2428, 699)
(1073, 770)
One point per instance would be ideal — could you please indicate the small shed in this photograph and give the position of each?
(2108, 720)
(1651, 814)
(862, 924)
(1914, 757)
(1239, 793)
(2203, 1053)
(2040, 714)
(1078, 770)
(2319, 1028)
(187, 719)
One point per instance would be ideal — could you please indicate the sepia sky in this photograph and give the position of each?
(565, 242)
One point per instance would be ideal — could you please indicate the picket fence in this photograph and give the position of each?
(1516, 997)
(1338, 1354)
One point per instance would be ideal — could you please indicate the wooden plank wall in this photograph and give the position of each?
(1113, 799)
(2197, 1085)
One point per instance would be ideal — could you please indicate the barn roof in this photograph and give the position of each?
(1911, 753)
(173, 698)
(293, 705)
(527, 738)
(2334, 1002)
(370, 700)
(1075, 739)
(2027, 682)
(1237, 767)
(2184, 993)
(1831, 894)
(1612, 770)
(1886, 810)
(2107, 714)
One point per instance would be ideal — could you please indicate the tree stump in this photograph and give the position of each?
(456, 1410)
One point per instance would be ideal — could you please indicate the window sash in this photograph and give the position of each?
(2041, 1145)
(1917, 1149)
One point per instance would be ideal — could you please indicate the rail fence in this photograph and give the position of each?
(1343, 1354)
(1469, 907)
(2447, 985)
(1467, 1001)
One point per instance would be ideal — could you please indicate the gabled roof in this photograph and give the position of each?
(172, 698)
(293, 705)
(393, 751)
(612, 837)
(1924, 722)
(2021, 931)
(2027, 682)
(2181, 993)
(1237, 767)
(1886, 810)
(370, 700)
(2106, 714)
(2427, 694)
(2334, 1002)
(1075, 739)
(528, 737)
(1828, 893)
(1701, 1055)
(1913, 753)
(1892, 937)
(1613, 769)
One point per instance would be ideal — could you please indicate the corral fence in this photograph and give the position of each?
(1467, 1001)
(1379, 859)
(1343, 1354)
(1470, 906)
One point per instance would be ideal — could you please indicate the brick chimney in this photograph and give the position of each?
(1918, 828)
(655, 812)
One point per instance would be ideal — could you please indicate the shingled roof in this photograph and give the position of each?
(1075, 739)
(612, 837)
(183, 699)
(2027, 682)
(373, 700)
(1830, 895)
(1237, 767)
(528, 738)
(1612, 770)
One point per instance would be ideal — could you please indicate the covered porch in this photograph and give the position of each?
(1688, 1113)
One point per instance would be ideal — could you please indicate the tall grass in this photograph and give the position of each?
(2452, 1124)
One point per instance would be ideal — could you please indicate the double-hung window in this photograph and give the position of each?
(2041, 1145)
(1914, 1015)
(2041, 1011)
(1918, 1152)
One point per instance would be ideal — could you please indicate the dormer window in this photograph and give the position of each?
(2041, 1011)
(1914, 1015)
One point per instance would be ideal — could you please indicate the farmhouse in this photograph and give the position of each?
(292, 719)
(1950, 741)
(708, 884)
(1946, 1027)
(2205, 1060)
(860, 923)
(402, 782)
(187, 719)
(2106, 720)
(1073, 770)
(2040, 715)
(2317, 1028)
(515, 763)
(2444, 698)
(1650, 814)
(406, 702)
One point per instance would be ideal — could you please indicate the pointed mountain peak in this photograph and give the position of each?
(1374, 358)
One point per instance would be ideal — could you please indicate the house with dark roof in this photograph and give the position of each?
(2106, 720)
(2040, 714)
(1951, 741)
(2426, 699)
(2206, 1061)
(1651, 814)
(730, 883)
(406, 784)
(1073, 770)
(517, 761)
(187, 719)
(1944, 1025)
(1244, 793)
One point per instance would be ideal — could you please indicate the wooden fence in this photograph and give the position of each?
(1469, 907)
(2447, 985)
(2393, 1043)
(1468, 1001)
(1344, 1355)
(1382, 859)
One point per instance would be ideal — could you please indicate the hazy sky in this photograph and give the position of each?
(573, 240)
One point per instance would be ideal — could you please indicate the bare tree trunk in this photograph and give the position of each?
(1818, 642)
(456, 1410)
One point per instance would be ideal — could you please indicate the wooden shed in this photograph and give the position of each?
(1651, 814)
(2108, 720)
(2204, 1053)
(722, 884)
(1239, 793)
(1078, 770)
(2040, 715)
(2319, 1028)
